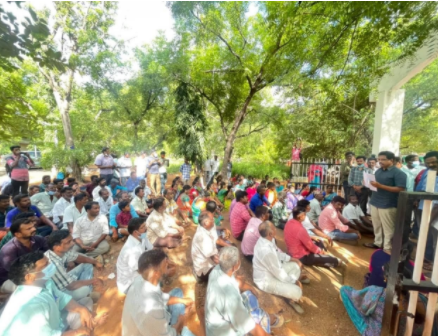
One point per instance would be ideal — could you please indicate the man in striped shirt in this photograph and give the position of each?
(79, 281)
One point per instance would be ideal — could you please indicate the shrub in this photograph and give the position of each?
(259, 170)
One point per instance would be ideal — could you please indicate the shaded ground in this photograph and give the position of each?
(324, 312)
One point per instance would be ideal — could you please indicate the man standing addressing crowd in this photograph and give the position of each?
(389, 182)
(18, 165)
(105, 162)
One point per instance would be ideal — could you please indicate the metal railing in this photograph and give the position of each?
(395, 281)
(317, 172)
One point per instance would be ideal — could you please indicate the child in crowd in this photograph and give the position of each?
(278, 187)
(229, 198)
(122, 220)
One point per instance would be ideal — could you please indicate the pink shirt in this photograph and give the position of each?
(21, 171)
(239, 219)
(251, 192)
(330, 220)
(251, 236)
(296, 153)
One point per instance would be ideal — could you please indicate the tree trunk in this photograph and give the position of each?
(64, 109)
(135, 137)
(232, 135)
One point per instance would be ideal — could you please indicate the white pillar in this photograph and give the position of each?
(388, 121)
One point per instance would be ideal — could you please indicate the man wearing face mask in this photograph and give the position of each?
(105, 163)
(38, 308)
(24, 241)
(45, 201)
(127, 262)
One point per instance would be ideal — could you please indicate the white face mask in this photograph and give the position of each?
(416, 163)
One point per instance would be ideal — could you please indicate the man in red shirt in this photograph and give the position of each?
(240, 216)
(301, 246)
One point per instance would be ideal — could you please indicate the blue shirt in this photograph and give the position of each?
(257, 201)
(114, 191)
(132, 183)
(115, 210)
(185, 170)
(14, 212)
(391, 177)
(36, 311)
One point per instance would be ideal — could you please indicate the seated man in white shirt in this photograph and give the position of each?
(204, 251)
(90, 231)
(162, 228)
(127, 262)
(357, 218)
(46, 200)
(101, 184)
(231, 308)
(74, 211)
(139, 203)
(274, 271)
(147, 310)
(61, 205)
(105, 201)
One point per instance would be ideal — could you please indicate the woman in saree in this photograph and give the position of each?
(330, 194)
(183, 201)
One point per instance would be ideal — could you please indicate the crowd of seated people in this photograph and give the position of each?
(52, 242)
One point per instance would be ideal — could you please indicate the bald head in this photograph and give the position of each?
(266, 229)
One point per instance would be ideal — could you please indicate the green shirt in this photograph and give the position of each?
(35, 311)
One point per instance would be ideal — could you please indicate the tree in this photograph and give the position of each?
(190, 123)
(234, 56)
(420, 115)
(143, 100)
(25, 39)
(80, 34)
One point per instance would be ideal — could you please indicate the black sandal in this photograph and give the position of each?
(371, 245)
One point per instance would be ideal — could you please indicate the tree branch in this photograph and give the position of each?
(416, 107)
(251, 132)
(348, 54)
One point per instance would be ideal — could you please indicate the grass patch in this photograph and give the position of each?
(259, 170)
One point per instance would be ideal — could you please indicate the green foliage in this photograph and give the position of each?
(260, 170)
(174, 168)
(190, 123)
(28, 38)
(420, 116)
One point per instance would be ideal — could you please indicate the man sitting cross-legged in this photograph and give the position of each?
(204, 251)
(331, 222)
(38, 308)
(302, 247)
(127, 262)
(252, 235)
(357, 218)
(274, 271)
(147, 310)
(162, 229)
(231, 308)
(222, 233)
(78, 282)
(90, 231)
